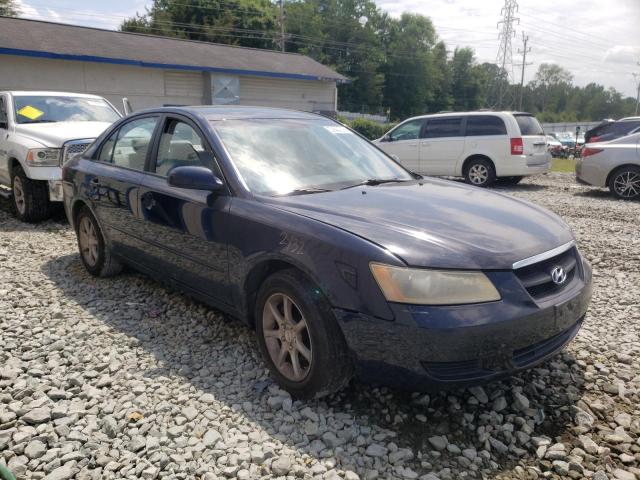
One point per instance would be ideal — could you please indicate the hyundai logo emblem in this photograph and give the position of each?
(558, 275)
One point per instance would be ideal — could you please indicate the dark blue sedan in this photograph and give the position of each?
(341, 260)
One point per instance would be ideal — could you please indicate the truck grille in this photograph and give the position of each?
(537, 279)
(73, 148)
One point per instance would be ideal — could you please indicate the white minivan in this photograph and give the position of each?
(479, 146)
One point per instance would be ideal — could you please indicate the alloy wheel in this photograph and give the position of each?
(627, 184)
(287, 337)
(18, 195)
(88, 240)
(478, 174)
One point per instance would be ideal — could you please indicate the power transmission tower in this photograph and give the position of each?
(281, 19)
(524, 51)
(504, 59)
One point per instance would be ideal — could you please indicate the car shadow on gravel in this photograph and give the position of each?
(499, 418)
(8, 222)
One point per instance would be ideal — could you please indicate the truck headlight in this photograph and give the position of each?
(44, 157)
(433, 287)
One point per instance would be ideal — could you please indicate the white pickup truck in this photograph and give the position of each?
(39, 132)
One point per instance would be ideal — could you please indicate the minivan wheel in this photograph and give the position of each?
(625, 183)
(94, 253)
(480, 172)
(30, 197)
(299, 337)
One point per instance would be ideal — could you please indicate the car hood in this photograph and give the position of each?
(438, 223)
(55, 134)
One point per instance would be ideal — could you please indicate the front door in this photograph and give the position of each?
(441, 145)
(112, 183)
(4, 144)
(403, 143)
(186, 229)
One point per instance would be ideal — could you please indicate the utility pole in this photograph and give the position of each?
(524, 51)
(504, 59)
(636, 77)
(281, 41)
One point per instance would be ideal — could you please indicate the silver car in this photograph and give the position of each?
(614, 164)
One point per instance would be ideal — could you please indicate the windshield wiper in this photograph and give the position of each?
(376, 181)
(38, 121)
(306, 191)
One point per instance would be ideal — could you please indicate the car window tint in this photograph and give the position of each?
(528, 125)
(106, 151)
(407, 131)
(623, 128)
(131, 147)
(478, 125)
(181, 146)
(443, 127)
(3, 111)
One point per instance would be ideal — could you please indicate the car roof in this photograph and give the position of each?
(629, 119)
(236, 112)
(46, 93)
(474, 112)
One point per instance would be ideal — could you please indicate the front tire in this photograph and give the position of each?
(96, 256)
(625, 183)
(480, 172)
(299, 337)
(30, 197)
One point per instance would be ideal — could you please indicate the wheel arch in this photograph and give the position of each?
(262, 270)
(618, 168)
(477, 156)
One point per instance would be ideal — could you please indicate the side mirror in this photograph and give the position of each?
(387, 138)
(126, 106)
(194, 178)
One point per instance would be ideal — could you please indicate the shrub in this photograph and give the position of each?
(369, 128)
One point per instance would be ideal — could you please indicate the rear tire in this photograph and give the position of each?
(624, 183)
(309, 332)
(30, 197)
(96, 256)
(480, 172)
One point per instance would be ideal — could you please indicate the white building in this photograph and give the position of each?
(152, 71)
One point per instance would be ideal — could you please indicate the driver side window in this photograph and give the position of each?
(407, 131)
(3, 113)
(182, 146)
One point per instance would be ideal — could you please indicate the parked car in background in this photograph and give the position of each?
(611, 130)
(554, 146)
(39, 132)
(614, 164)
(479, 146)
(338, 257)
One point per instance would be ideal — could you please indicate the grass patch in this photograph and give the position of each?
(566, 165)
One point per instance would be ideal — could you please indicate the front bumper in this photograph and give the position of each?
(428, 348)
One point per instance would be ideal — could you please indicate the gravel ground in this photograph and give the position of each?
(121, 378)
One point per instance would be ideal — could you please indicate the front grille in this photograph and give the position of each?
(536, 278)
(71, 149)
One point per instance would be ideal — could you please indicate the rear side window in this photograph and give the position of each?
(128, 146)
(480, 125)
(528, 125)
(443, 127)
(624, 128)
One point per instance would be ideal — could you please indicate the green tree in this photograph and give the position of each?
(467, 81)
(8, 8)
(551, 80)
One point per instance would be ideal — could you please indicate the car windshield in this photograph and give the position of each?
(50, 109)
(529, 125)
(288, 156)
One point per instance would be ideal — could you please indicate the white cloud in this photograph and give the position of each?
(623, 54)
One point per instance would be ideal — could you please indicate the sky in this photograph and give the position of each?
(596, 40)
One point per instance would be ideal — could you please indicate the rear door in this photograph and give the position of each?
(487, 135)
(533, 139)
(4, 144)
(403, 142)
(441, 146)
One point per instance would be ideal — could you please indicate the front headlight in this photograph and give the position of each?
(433, 287)
(44, 157)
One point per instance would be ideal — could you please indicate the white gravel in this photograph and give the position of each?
(121, 378)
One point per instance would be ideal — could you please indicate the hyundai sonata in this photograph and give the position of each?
(341, 260)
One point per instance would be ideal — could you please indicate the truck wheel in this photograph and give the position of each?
(30, 197)
(299, 337)
(95, 254)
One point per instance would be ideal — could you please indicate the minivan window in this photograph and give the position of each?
(480, 125)
(443, 127)
(529, 125)
(407, 131)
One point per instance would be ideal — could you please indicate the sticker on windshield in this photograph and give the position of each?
(337, 129)
(30, 112)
